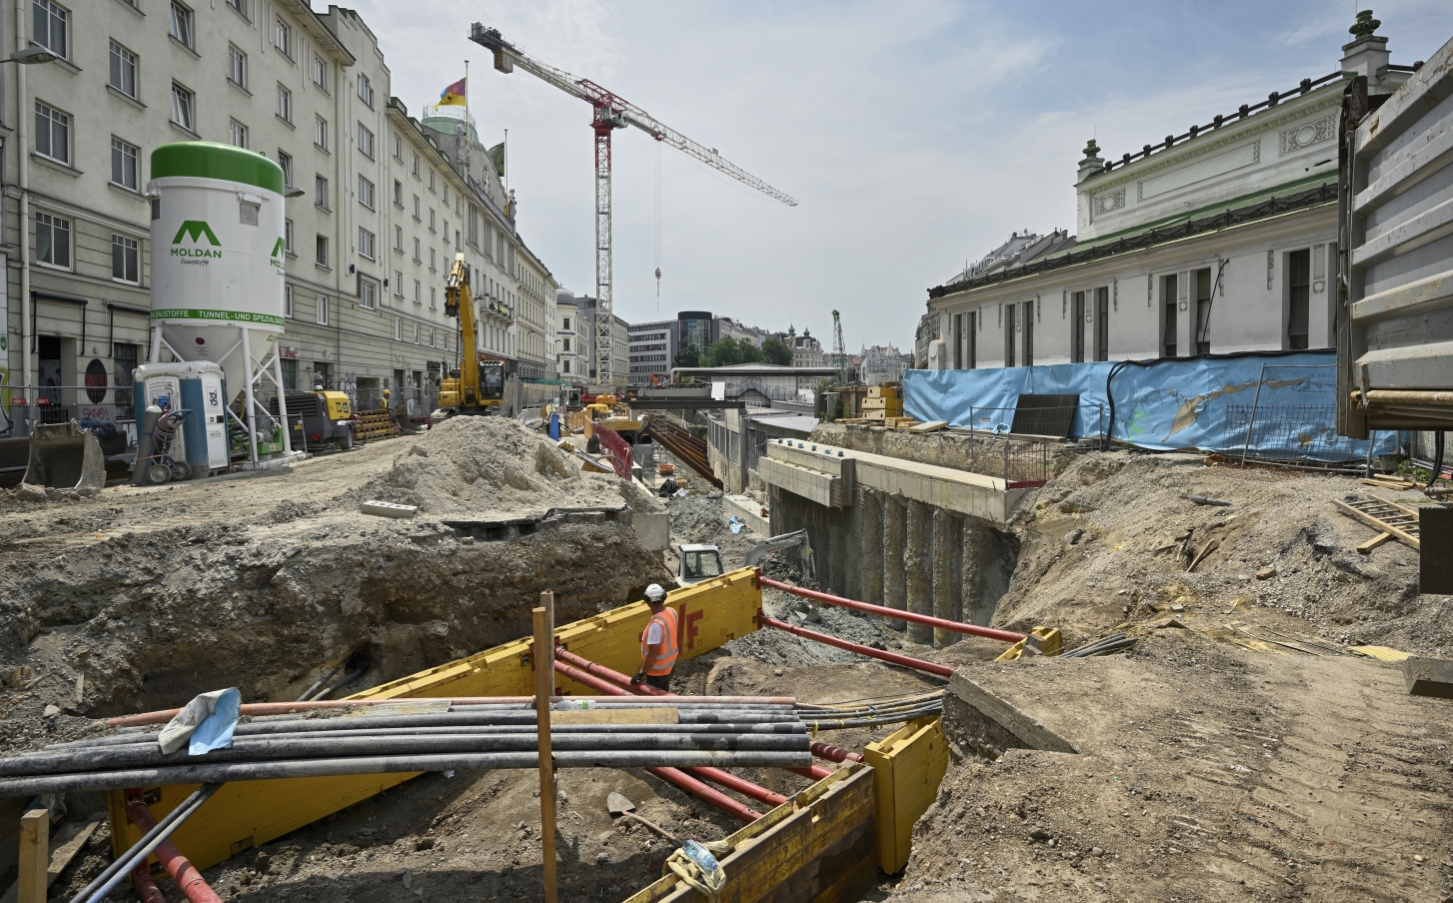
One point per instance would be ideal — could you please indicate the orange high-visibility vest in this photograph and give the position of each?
(666, 660)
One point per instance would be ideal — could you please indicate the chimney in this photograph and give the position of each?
(1367, 54)
(1091, 164)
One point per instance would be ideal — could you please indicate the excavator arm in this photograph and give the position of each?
(459, 303)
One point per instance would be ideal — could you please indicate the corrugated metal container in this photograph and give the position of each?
(1395, 330)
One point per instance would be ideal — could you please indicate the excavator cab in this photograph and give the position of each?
(477, 387)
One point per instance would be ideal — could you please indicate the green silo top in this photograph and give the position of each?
(209, 160)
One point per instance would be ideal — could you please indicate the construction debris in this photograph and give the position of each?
(1428, 676)
(388, 509)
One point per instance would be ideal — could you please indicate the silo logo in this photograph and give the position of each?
(277, 253)
(196, 230)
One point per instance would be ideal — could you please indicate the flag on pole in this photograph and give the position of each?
(497, 157)
(454, 95)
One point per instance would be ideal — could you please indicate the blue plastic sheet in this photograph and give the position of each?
(1203, 403)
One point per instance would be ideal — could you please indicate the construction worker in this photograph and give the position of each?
(658, 642)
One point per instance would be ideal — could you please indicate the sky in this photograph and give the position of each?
(915, 134)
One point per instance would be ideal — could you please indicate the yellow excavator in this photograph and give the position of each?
(477, 387)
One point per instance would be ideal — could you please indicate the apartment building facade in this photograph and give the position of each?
(376, 210)
(572, 343)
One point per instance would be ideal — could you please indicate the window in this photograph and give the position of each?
(1299, 298)
(417, 258)
(365, 90)
(415, 165)
(123, 164)
(322, 304)
(431, 220)
(1102, 323)
(288, 298)
(398, 283)
(365, 243)
(52, 27)
(52, 133)
(1077, 328)
(285, 161)
(398, 147)
(284, 104)
(365, 192)
(126, 357)
(242, 6)
(321, 252)
(125, 259)
(288, 237)
(433, 298)
(972, 359)
(433, 337)
(431, 180)
(52, 240)
(418, 292)
(398, 193)
(183, 107)
(567, 366)
(1168, 289)
(320, 73)
(320, 192)
(1009, 310)
(236, 66)
(1029, 333)
(416, 208)
(416, 333)
(365, 141)
(283, 38)
(446, 232)
(181, 24)
(367, 294)
(237, 133)
(398, 329)
(567, 324)
(566, 346)
(433, 266)
(1203, 311)
(320, 132)
(123, 70)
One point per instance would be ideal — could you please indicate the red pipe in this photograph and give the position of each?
(816, 772)
(833, 753)
(616, 677)
(895, 658)
(732, 782)
(715, 797)
(1007, 636)
(145, 885)
(190, 881)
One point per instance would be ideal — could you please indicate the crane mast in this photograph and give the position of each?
(610, 113)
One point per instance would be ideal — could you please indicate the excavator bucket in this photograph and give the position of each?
(64, 459)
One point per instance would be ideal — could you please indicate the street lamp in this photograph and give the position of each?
(30, 56)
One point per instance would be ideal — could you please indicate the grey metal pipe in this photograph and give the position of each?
(256, 771)
(782, 727)
(251, 750)
(117, 871)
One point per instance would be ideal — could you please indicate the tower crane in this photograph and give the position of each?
(611, 112)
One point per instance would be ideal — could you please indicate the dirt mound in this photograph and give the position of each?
(1101, 543)
(491, 464)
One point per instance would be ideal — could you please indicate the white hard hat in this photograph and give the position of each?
(655, 593)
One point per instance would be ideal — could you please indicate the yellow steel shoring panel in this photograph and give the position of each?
(910, 763)
(250, 813)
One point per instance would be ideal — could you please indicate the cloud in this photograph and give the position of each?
(916, 133)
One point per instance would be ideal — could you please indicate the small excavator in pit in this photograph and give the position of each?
(477, 387)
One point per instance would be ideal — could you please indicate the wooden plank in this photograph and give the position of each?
(544, 617)
(245, 814)
(1384, 653)
(1367, 547)
(31, 885)
(654, 715)
(1382, 527)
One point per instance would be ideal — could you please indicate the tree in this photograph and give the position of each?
(687, 357)
(776, 352)
(751, 354)
(724, 353)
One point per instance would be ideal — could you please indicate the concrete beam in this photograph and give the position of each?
(946, 589)
(870, 538)
(813, 485)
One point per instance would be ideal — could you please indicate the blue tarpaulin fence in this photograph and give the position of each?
(1277, 405)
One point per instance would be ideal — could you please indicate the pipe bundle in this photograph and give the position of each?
(501, 735)
(1115, 642)
(871, 712)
